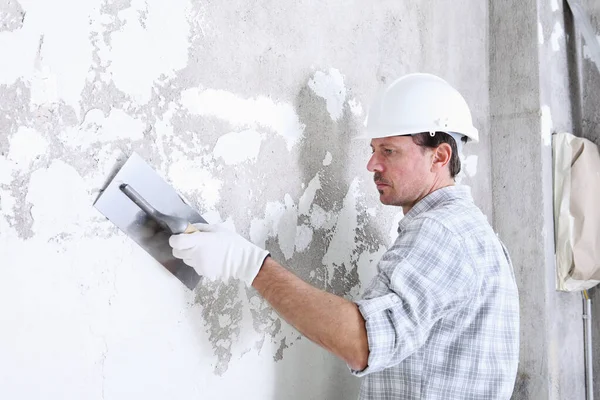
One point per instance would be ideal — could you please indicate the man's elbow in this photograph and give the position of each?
(360, 357)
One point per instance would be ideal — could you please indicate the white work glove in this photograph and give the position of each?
(218, 253)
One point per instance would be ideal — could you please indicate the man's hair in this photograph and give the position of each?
(426, 140)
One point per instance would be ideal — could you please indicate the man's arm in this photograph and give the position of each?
(332, 322)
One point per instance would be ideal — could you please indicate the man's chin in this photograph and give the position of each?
(383, 199)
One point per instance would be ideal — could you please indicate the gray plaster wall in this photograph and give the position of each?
(248, 110)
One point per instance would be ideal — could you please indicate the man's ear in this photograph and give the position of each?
(441, 156)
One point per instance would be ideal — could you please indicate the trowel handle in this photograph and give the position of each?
(191, 229)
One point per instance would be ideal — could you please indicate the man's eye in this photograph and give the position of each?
(388, 151)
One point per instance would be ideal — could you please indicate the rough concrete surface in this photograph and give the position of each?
(247, 109)
(533, 94)
(588, 79)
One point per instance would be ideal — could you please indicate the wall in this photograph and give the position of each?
(247, 109)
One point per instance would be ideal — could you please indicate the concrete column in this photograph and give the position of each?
(529, 100)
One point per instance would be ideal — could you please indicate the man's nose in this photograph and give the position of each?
(374, 164)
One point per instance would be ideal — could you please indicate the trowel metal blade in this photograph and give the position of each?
(126, 215)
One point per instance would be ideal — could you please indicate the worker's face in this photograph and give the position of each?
(402, 170)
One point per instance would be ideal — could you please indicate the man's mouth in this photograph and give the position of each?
(379, 181)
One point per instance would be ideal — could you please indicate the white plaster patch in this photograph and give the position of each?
(249, 113)
(547, 126)
(7, 203)
(54, 58)
(355, 107)
(308, 196)
(367, 265)
(153, 42)
(304, 235)
(540, 33)
(25, 146)
(96, 127)
(554, 5)
(470, 165)
(261, 229)
(394, 226)
(558, 33)
(212, 216)
(327, 160)
(238, 147)
(321, 219)
(343, 242)
(60, 201)
(224, 320)
(6, 171)
(190, 176)
(286, 228)
(331, 88)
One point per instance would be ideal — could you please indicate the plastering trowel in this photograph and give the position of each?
(140, 203)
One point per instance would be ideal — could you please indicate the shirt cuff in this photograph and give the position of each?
(381, 332)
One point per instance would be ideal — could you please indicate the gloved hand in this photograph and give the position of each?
(218, 253)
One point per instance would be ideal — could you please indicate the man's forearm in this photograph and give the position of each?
(328, 320)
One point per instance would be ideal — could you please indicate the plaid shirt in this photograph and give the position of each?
(442, 314)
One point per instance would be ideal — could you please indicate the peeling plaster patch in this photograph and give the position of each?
(355, 107)
(394, 226)
(286, 228)
(188, 175)
(327, 160)
(586, 50)
(25, 145)
(331, 88)
(153, 42)
(557, 34)
(238, 147)
(60, 201)
(279, 354)
(11, 16)
(246, 113)
(222, 312)
(540, 33)
(304, 235)
(470, 165)
(554, 4)
(97, 128)
(308, 196)
(342, 248)
(547, 126)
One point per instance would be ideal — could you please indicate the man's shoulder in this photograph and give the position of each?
(458, 217)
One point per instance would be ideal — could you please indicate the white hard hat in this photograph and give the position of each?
(419, 103)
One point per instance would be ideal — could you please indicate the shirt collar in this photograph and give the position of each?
(433, 199)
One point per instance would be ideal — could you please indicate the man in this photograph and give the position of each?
(440, 320)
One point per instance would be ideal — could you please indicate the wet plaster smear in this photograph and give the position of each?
(252, 130)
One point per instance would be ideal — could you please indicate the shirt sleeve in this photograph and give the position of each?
(425, 276)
